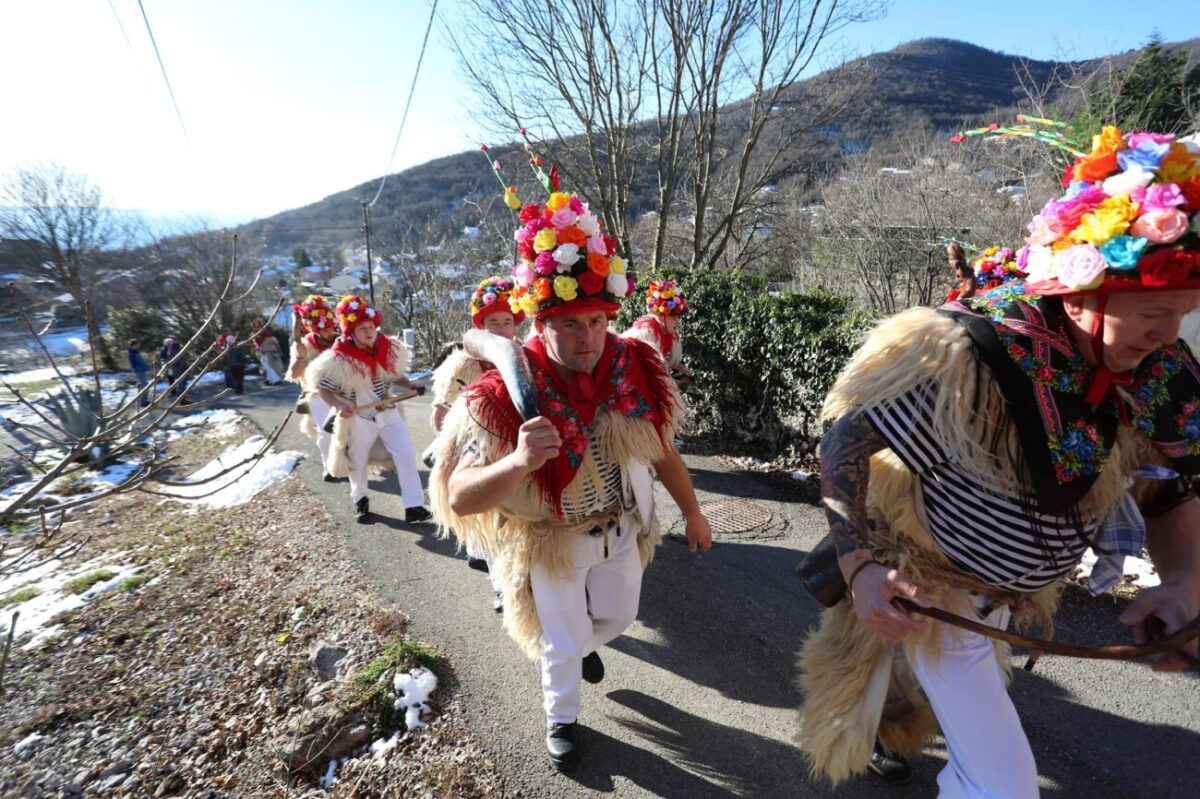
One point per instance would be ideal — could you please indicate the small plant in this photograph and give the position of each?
(133, 583)
(371, 687)
(83, 582)
(18, 596)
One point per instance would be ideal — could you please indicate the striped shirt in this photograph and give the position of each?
(988, 533)
(378, 388)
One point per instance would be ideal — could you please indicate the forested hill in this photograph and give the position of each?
(929, 85)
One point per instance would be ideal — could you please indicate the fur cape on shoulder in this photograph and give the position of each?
(458, 371)
(356, 383)
(303, 353)
(528, 527)
(845, 668)
(651, 330)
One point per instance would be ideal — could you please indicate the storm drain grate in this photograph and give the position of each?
(735, 515)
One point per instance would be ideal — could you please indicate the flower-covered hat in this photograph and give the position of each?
(996, 265)
(567, 264)
(492, 295)
(353, 310)
(665, 298)
(1127, 222)
(315, 314)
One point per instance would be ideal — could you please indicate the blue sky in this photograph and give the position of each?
(287, 102)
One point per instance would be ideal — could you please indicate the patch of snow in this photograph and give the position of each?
(26, 742)
(221, 421)
(242, 483)
(414, 689)
(380, 748)
(35, 375)
(328, 779)
(802, 475)
(51, 600)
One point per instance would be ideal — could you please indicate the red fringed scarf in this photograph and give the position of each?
(629, 380)
(666, 339)
(314, 341)
(368, 361)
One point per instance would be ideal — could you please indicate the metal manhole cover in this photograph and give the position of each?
(735, 515)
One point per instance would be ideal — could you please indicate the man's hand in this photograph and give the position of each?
(537, 442)
(873, 590)
(345, 411)
(1161, 611)
(699, 532)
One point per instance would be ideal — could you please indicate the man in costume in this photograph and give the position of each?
(270, 354)
(564, 500)
(490, 311)
(319, 326)
(666, 304)
(977, 450)
(352, 378)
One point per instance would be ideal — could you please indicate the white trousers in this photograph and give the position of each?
(388, 426)
(320, 414)
(989, 754)
(584, 611)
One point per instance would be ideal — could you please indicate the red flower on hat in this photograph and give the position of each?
(1165, 267)
(590, 282)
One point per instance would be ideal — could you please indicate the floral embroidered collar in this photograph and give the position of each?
(1066, 441)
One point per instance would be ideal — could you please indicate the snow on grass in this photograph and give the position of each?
(55, 586)
(35, 375)
(1141, 570)
(242, 483)
(222, 421)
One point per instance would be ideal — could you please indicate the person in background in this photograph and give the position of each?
(140, 368)
(233, 361)
(169, 350)
(269, 353)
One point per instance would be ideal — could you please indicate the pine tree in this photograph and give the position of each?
(1157, 92)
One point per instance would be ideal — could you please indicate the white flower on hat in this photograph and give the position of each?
(617, 285)
(352, 305)
(566, 254)
(370, 311)
(321, 324)
(1125, 182)
(589, 225)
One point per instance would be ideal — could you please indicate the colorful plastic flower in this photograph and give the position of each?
(566, 288)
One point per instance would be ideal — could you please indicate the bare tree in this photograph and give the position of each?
(68, 228)
(624, 94)
(882, 230)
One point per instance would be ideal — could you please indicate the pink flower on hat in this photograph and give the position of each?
(1160, 227)
(1080, 267)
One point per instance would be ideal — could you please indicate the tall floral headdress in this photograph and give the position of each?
(1127, 222)
(492, 295)
(566, 263)
(315, 314)
(996, 265)
(665, 298)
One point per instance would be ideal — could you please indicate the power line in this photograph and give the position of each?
(407, 103)
(163, 68)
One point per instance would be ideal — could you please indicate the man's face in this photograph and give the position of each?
(326, 333)
(1135, 324)
(500, 323)
(671, 323)
(364, 334)
(576, 341)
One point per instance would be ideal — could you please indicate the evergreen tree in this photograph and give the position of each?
(1157, 92)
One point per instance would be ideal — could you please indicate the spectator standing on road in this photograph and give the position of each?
(234, 362)
(140, 368)
(169, 350)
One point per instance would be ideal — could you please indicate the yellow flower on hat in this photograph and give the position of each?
(511, 199)
(1111, 218)
(546, 239)
(616, 264)
(566, 287)
(1178, 165)
(558, 201)
(351, 317)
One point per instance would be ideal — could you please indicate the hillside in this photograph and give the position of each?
(930, 85)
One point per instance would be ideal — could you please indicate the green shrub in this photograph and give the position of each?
(83, 582)
(763, 361)
(144, 324)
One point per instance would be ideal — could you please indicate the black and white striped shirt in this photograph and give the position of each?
(378, 387)
(990, 534)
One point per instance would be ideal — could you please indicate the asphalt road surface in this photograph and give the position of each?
(700, 693)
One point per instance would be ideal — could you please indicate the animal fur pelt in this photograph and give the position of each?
(844, 667)
(455, 373)
(357, 387)
(523, 531)
(304, 353)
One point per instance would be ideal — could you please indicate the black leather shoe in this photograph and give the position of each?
(593, 668)
(329, 478)
(478, 564)
(417, 514)
(892, 768)
(560, 743)
(362, 509)
(497, 601)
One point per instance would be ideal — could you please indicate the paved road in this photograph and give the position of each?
(699, 695)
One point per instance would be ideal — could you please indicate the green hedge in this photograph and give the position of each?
(763, 361)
